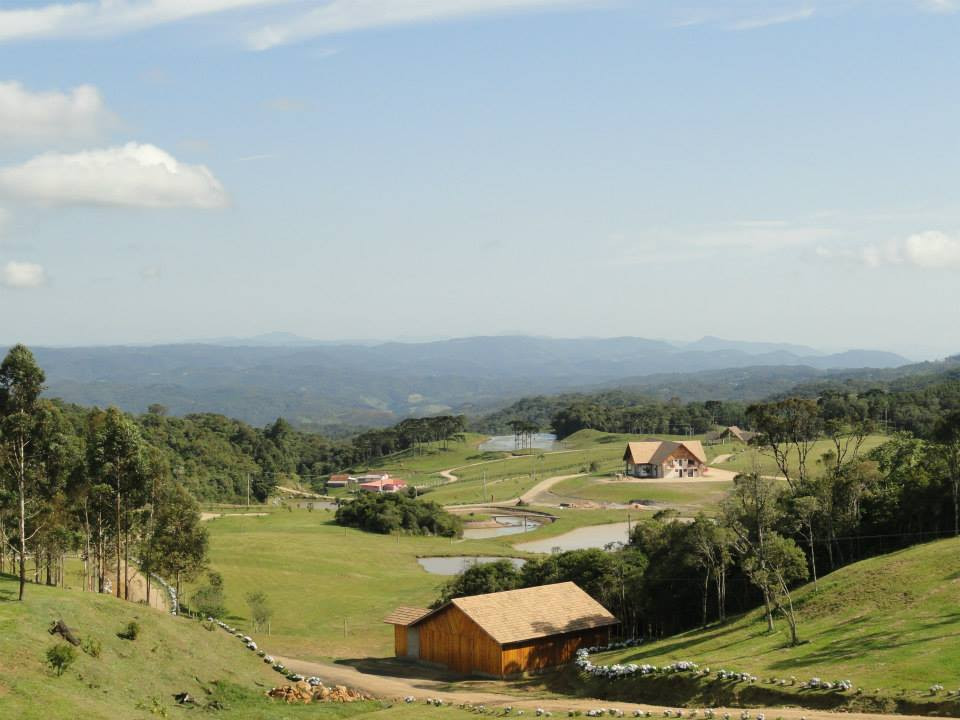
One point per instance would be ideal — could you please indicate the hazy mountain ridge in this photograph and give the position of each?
(376, 384)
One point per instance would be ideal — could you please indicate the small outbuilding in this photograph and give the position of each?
(505, 633)
(733, 433)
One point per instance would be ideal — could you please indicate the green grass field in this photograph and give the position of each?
(890, 623)
(687, 496)
(331, 587)
(746, 458)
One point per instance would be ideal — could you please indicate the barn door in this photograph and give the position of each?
(413, 642)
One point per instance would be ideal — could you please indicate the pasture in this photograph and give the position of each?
(330, 587)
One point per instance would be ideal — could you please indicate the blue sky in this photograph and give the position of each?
(174, 169)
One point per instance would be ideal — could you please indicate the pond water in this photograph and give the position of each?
(592, 536)
(458, 563)
(541, 441)
(507, 525)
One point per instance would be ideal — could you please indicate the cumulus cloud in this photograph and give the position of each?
(132, 175)
(932, 250)
(22, 275)
(35, 117)
(338, 16)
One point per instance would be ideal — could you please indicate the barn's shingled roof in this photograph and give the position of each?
(529, 613)
(406, 615)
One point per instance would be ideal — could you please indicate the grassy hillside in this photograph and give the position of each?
(137, 679)
(889, 624)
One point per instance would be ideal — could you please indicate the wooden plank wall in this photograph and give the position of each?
(452, 639)
(548, 652)
(400, 640)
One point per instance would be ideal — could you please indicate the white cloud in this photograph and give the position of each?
(22, 275)
(762, 21)
(940, 6)
(31, 117)
(931, 250)
(107, 17)
(132, 175)
(339, 16)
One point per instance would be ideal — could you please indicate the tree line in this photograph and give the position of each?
(87, 484)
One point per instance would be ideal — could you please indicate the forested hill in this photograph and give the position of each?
(911, 398)
(376, 385)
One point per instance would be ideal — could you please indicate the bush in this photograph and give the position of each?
(392, 512)
(208, 600)
(130, 632)
(60, 657)
(91, 646)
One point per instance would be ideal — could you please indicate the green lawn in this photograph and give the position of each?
(891, 622)
(688, 496)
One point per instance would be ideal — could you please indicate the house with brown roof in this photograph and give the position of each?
(504, 633)
(665, 459)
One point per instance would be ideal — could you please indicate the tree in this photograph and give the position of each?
(178, 541)
(260, 609)
(751, 511)
(711, 547)
(21, 382)
(117, 459)
(946, 435)
(480, 579)
(781, 565)
(788, 428)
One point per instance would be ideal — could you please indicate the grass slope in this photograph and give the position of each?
(137, 679)
(890, 623)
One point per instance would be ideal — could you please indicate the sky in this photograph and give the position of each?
(780, 170)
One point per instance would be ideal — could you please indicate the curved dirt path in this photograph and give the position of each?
(530, 496)
(392, 687)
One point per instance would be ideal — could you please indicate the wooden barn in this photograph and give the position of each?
(504, 633)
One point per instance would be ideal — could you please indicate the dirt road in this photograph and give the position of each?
(491, 693)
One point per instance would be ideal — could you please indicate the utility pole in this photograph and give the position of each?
(248, 491)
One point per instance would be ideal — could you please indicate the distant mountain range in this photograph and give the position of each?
(317, 384)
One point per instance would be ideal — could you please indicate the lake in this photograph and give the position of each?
(507, 525)
(458, 563)
(592, 536)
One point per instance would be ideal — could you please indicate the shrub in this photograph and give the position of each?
(130, 632)
(91, 646)
(60, 657)
(391, 512)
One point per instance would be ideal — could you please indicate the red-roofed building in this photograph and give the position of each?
(385, 484)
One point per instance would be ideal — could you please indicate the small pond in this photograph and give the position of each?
(506, 525)
(506, 443)
(458, 563)
(592, 536)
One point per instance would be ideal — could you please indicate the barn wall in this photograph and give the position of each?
(400, 640)
(543, 653)
(452, 639)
